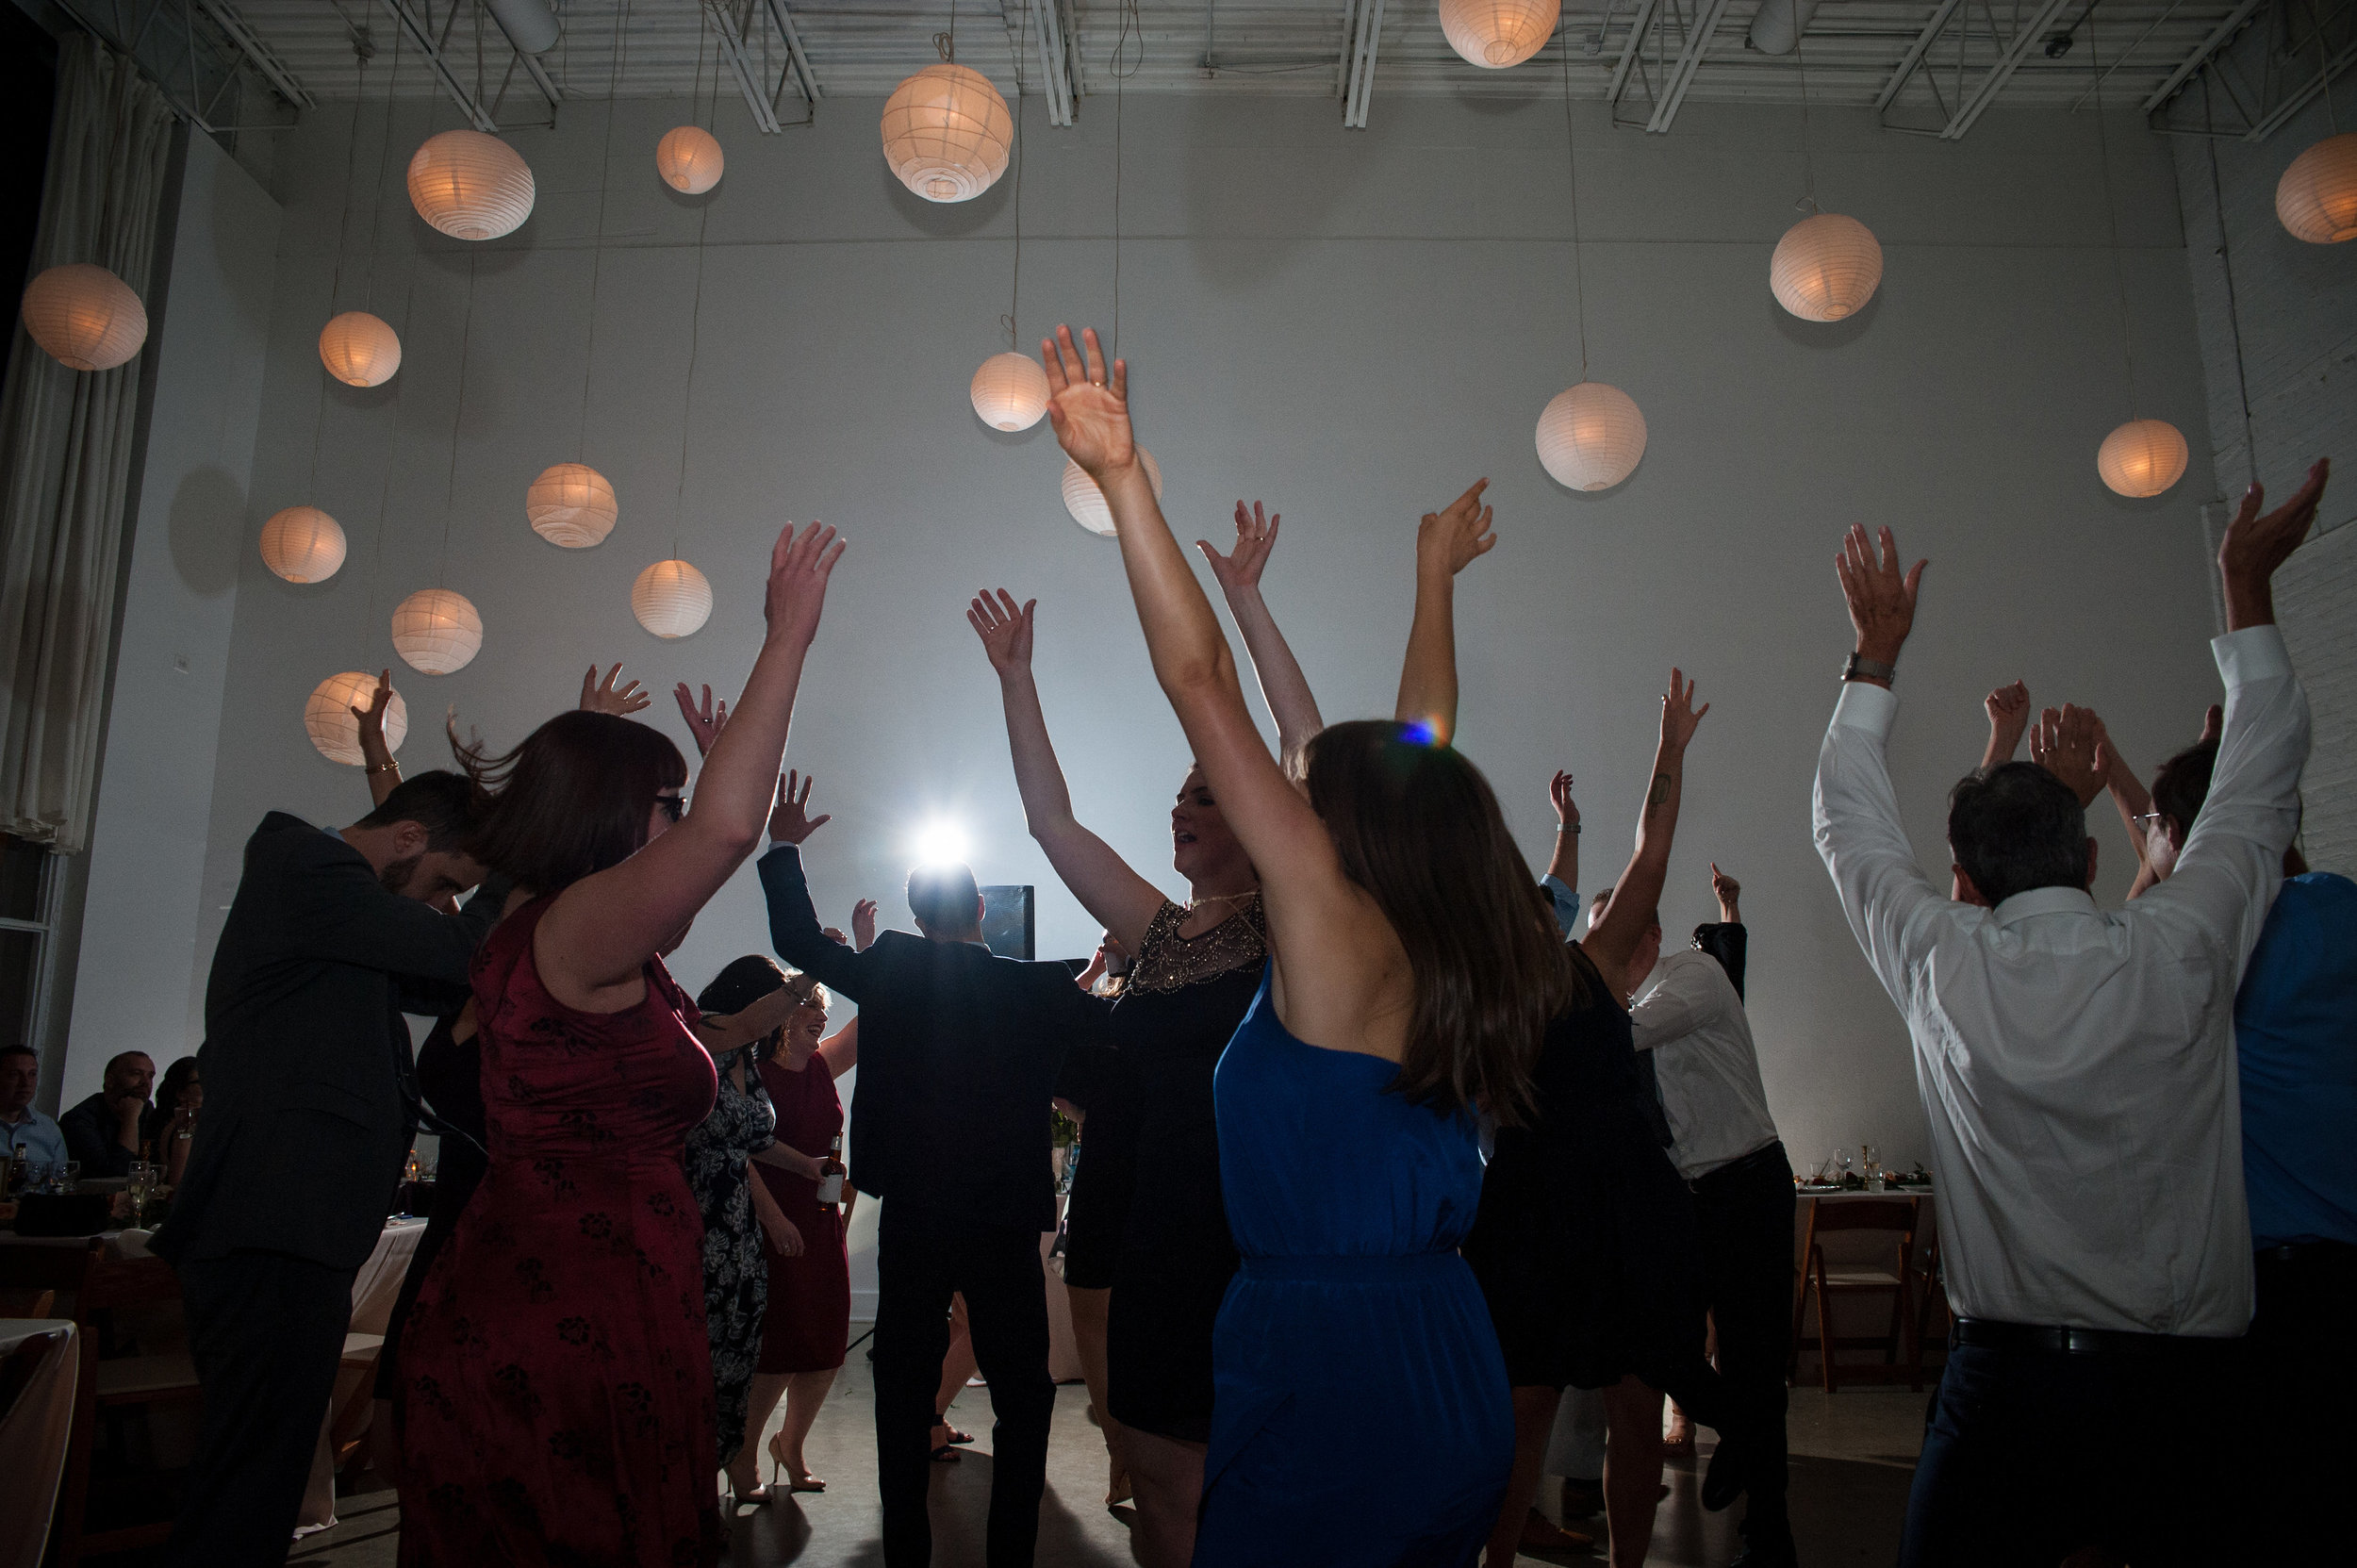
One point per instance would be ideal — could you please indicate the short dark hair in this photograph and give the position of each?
(122, 1056)
(2017, 827)
(572, 800)
(943, 896)
(2183, 785)
(441, 802)
(22, 1050)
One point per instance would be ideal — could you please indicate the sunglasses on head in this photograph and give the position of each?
(672, 806)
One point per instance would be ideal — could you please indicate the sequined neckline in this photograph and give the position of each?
(1169, 962)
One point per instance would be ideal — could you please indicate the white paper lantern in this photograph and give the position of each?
(471, 185)
(671, 599)
(360, 349)
(571, 504)
(947, 133)
(334, 728)
(1826, 267)
(302, 544)
(2142, 458)
(1087, 504)
(435, 631)
(2317, 198)
(1010, 391)
(1494, 34)
(85, 316)
(1590, 436)
(689, 159)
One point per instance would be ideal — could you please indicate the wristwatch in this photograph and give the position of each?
(1572, 828)
(1857, 667)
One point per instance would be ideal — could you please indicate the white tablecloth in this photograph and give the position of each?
(33, 1433)
(373, 1292)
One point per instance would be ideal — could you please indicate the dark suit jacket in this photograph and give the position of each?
(1727, 943)
(94, 1136)
(307, 1054)
(959, 1052)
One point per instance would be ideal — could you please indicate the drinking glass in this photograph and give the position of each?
(1870, 1166)
(143, 1189)
(73, 1176)
(37, 1176)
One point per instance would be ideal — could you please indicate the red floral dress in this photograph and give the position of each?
(559, 1392)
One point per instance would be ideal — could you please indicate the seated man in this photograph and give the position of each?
(22, 1130)
(103, 1132)
(2077, 1069)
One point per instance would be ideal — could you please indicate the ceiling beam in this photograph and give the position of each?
(258, 54)
(1914, 57)
(750, 80)
(422, 36)
(1690, 60)
(1370, 34)
(783, 20)
(1053, 65)
(1633, 46)
(2299, 97)
(2219, 37)
(1986, 93)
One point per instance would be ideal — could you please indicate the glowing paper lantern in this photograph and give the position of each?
(471, 185)
(360, 349)
(671, 599)
(435, 631)
(1590, 436)
(1087, 504)
(2142, 458)
(1826, 267)
(302, 544)
(2317, 198)
(84, 317)
(571, 504)
(689, 159)
(334, 728)
(947, 133)
(1010, 391)
(1494, 34)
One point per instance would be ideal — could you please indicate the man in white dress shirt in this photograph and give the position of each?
(2077, 1067)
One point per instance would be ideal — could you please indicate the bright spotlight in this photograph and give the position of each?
(939, 842)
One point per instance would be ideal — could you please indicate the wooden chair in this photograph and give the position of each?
(20, 1302)
(1932, 1297)
(1897, 1217)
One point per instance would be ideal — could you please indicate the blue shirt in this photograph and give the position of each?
(40, 1139)
(2296, 1037)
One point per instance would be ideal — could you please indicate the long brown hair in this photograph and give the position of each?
(1419, 828)
(571, 799)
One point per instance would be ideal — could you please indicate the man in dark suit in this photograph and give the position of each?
(309, 1113)
(958, 1056)
(103, 1132)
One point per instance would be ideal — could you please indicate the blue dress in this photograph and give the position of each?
(1361, 1412)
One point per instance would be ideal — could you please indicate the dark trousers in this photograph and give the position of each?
(266, 1331)
(921, 1260)
(2301, 1379)
(2031, 1456)
(1745, 1214)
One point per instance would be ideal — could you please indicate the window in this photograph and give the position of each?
(27, 885)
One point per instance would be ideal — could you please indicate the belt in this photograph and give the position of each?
(1987, 1334)
(1371, 1269)
(1770, 1158)
(2303, 1253)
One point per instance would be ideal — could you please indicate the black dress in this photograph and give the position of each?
(1585, 1242)
(1102, 1083)
(1185, 998)
(450, 1080)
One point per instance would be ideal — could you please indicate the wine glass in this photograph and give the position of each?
(143, 1189)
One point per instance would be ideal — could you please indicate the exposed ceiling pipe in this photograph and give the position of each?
(530, 25)
(1776, 28)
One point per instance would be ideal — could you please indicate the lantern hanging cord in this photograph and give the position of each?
(945, 45)
(1809, 162)
(2111, 217)
(383, 166)
(597, 246)
(384, 493)
(687, 404)
(1570, 160)
(352, 169)
(1130, 29)
(1015, 303)
(457, 418)
(2226, 265)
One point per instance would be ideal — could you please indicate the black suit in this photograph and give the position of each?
(308, 1117)
(959, 1052)
(94, 1136)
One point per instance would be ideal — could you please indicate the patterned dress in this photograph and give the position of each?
(737, 1275)
(557, 1382)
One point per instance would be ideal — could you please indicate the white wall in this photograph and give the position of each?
(1350, 326)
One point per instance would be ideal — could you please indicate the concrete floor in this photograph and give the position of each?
(1852, 1456)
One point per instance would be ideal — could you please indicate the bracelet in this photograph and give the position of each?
(1572, 828)
(1857, 667)
(385, 768)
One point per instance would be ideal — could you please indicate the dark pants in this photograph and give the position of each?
(267, 1332)
(2302, 1377)
(1745, 1214)
(921, 1260)
(2031, 1456)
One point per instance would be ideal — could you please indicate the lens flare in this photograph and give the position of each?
(939, 842)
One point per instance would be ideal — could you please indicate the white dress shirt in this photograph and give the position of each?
(2077, 1065)
(1693, 1023)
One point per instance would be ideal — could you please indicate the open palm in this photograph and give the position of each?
(1089, 408)
(1004, 628)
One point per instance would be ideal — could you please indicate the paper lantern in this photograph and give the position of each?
(947, 133)
(1087, 504)
(302, 544)
(471, 185)
(671, 599)
(2142, 458)
(1590, 436)
(1826, 267)
(1494, 34)
(360, 349)
(435, 631)
(2317, 198)
(334, 728)
(1010, 391)
(85, 316)
(571, 504)
(689, 159)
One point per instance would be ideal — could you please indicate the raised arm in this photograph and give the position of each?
(1447, 541)
(1637, 895)
(1122, 902)
(2008, 710)
(722, 1032)
(1561, 877)
(377, 757)
(603, 696)
(794, 929)
(1283, 687)
(594, 939)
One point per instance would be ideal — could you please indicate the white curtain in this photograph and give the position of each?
(66, 440)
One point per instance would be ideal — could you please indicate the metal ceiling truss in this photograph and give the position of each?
(416, 18)
(1687, 26)
(1058, 56)
(1362, 31)
(2258, 69)
(1976, 32)
(203, 57)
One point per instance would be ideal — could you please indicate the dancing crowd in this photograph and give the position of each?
(1407, 1172)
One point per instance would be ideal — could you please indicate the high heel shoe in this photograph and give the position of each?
(781, 1474)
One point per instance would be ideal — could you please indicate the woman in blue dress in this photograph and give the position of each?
(1412, 975)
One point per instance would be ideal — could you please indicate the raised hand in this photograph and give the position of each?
(2064, 742)
(790, 822)
(1005, 630)
(1089, 408)
(373, 716)
(1679, 716)
(1448, 539)
(2255, 545)
(863, 924)
(1726, 890)
(1881, 599)
(1256, 536)
(703, 720)
(601, 696)
(2213, 721)
(800, 564)
(1566, 809)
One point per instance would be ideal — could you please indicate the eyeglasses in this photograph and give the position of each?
(672, 806)
(2147, 822)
